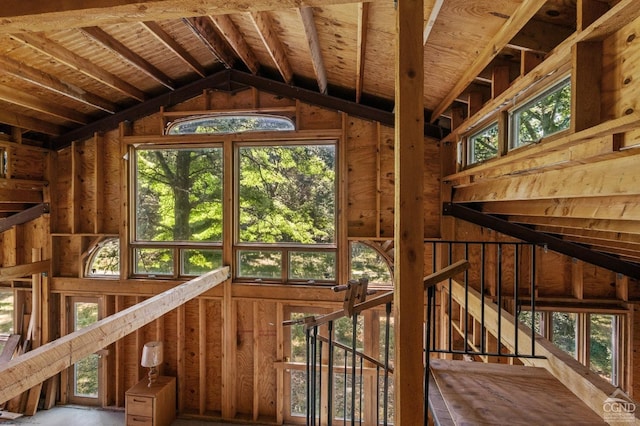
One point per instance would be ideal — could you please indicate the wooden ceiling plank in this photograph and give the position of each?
(625, 207)
(30, 123)
(171, 44)
(106, 40)
(510, 28)
(205, 30)
(51, 83)
(622, 246)
(235, 39)
(587, 234)
(85, 66)
(621, 226)
(35, 103)
(361, 48)
(263, 24)
(18, 15)
(309, 24)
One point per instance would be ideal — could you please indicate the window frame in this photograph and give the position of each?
(470, 157)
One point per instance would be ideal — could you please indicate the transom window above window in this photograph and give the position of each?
(104, 260)
(229, 123)
(544, 115)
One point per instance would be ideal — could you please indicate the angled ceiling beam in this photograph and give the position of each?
(274, 46)
(106, 40)
(35, 103)
(235, 39)
(30, 123)
(309, 24)
(361, 47)
(85, 66)
(170, 43)
(53, 84)
(149, 107)
(435, 11)
(509, 29)
(326, 101)
(24, 216)
(529, 235)
(205, 30)
(20, 15)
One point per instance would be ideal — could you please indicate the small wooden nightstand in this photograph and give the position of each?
(153, 406)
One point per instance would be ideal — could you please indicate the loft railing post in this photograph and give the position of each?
(499, 291)
(330, 376)
(354, 341)
(533, 296)
(386, 364)
(466, 301)
(308, 368)
(516, 311)
(483, 338)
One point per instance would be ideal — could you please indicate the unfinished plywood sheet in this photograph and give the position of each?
(500, 394)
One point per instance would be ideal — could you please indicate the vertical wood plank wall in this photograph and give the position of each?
(224, 358)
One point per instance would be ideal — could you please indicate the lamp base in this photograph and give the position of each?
(153, 376)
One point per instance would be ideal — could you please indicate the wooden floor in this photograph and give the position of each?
(478, 393)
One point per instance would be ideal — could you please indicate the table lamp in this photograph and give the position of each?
(152, 358)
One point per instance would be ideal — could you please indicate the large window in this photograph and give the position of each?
(544, 115)
(286, 215)
(178, 210)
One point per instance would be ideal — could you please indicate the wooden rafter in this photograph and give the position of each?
(18, 15)
(591, 234)
(433, 15)
(509, 29)
(54, 84)
(361, 48)
(24, 216)
(64, 56)
(171, 44)
(310, 31)
(106, 40)
(37, 104)
(619, 226)
(35, 124)
(235, 39)
(276, 50)
(34, 367)
(205, 30)
(12, 272)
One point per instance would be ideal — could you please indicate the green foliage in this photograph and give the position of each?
(601, 344)
(260, 264)
(6, 312)
(312, 265)
(367, 262)
(106, 259)
(545, 115)
(287, 194)
(179, 195)
(153, 261)
(86, 313)
(200, 261)
(484, 144)
(86, 377)
(564, 331)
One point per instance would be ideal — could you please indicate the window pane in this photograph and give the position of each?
(106, 259)
(6, 312)
(298, 393)
(86, 370)
(306, 265)
(260, 264)
(222, 124)
(200, 261)
(367, 262)
(545, 115)
(287, 194)
(179, 195)
(525, 318)
(602, 344)
(564, 331)
(484, 144)
(153, 261)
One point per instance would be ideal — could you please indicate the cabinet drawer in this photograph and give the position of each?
(139, 406)
(133, 420)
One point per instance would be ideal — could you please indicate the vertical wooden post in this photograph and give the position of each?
(408, 221)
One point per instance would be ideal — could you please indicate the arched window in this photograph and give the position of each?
(368, 261)
(104, 260)
(229, 123)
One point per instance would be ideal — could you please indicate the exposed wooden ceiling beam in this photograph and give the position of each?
(509, 29)
(30, 123)
(274, 46)
(85, 66)
(35, 103)
(21, 196)
(20, 15)
(106, 40)
(229, 30)
(205, 30)
(620, 226)
(309, 24)
(361, 48)
(53, 84)
(433, 15)
(12, 272)
(171, 44)
(24, 216)
(589, 234)
(553, 243)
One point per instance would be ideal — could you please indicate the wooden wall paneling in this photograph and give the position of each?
(202, 355)
(111, 164)
(124, 164)
(119, 372)
(431, 189)
(76, 187)
(265, 374)
(361, 183)
(36, 301)
(280, 333)
(245, 353)
(312, 117)
(85, 207)
(98, 182)
(588, 11)
(387, 180)
(181, 368)
(553, 273)
(586, 78)
(622, 287)
(192, 389)
(169, 334)
(599, 283)
(66, 251)
(577, 278)
(342, 205)
(64, 330)
(378, 143)
(213, 340)
(26, 163)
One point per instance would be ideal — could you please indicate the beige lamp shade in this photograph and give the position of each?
(152, 354)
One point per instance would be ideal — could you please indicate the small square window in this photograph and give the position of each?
(153, 261)
(200, 261)
(265, 264)
(483, 145)
(312, 265)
